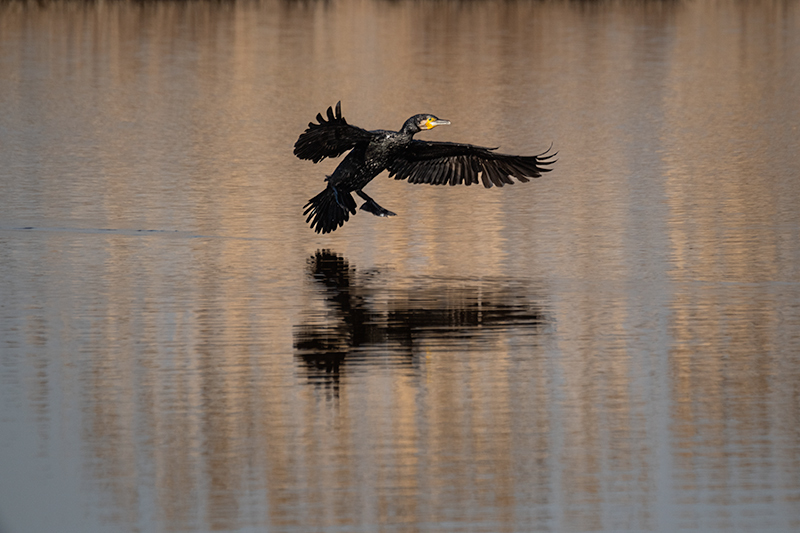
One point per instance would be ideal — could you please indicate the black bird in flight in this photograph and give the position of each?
(372, 152)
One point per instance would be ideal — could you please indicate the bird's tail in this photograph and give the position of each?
(329, 209)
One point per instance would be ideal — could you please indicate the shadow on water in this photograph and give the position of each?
(375, 318)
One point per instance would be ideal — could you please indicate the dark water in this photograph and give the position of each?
(613, 347)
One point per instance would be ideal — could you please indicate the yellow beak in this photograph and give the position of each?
(433, 122)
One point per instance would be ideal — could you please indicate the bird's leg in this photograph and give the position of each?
(372, 206)
(336, 196)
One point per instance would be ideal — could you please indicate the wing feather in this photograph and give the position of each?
(453, 174)
(438, 172)
(441, 163)
(460, 172)
(330, 137)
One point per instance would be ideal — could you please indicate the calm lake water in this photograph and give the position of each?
(612, 347)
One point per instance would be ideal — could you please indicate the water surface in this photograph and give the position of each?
(613, 347)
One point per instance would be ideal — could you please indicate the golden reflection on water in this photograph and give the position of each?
(613, 347)
(727, 362)
(417, 334)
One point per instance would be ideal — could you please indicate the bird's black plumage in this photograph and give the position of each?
(406, 158)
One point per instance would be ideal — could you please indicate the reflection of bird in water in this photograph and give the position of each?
(368, 317)
(372, 152)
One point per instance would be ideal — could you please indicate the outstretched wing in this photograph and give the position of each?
(440, 163)
(329, 138)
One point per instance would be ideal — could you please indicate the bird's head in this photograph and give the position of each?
(419, 123)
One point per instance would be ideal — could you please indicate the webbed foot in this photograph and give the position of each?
(371, 206)
(375, 209)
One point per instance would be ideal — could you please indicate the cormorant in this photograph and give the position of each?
(372, 152)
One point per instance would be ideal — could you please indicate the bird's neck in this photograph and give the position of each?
(409, 128)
